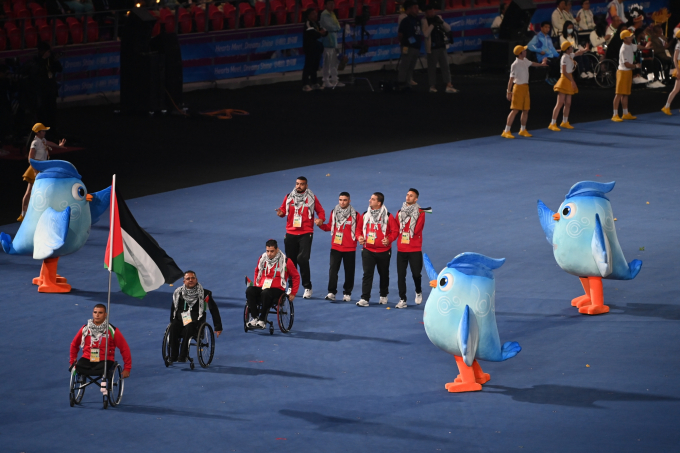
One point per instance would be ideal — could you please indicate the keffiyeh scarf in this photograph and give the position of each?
(93, 330)
(377, 217)
(301, 200)
(266, 265)
(190, 296)
(340, 216)
(407, 212)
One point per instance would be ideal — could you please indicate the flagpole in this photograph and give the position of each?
(108, 302)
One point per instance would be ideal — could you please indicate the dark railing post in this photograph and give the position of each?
(237, 15)
(356, 5)
(267, 9)
(177, 19)
(23, 33)
(115, 25)
(443, 5)
(383, 7)
(85, 21)
(297, 12)
(207, 17)
(54, 32)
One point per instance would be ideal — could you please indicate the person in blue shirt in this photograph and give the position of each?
(542, 45)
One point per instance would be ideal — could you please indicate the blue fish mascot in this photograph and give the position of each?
(460, 317)
(60, 214)
(584, 242)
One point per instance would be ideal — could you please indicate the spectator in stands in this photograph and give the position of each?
(543, 47)
(659, 44)
(613, 29)
(636, 17)
(410, 36)
(330, 43)
(614, 44)
(560, 16)
(569, 35)
(584, 17)
(80, 7)
(313, 50)
(676, 63)
(496, 24)
(44, 70)
(599, 36)
(435, 31)
(615, 9)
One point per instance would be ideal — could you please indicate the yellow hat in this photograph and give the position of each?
(40, 127)
(565, 45)
(519, 49)
(626, 34)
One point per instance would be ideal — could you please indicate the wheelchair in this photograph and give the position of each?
(284, 311)
(115, 385)
(205, 346)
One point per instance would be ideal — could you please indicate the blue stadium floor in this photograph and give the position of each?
(368, 379)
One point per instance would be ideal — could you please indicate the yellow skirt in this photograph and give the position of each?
(624, 82)
(30, 174)
(564, 86)
(520, 97)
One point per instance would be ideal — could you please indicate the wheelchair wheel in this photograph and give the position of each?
(205, 345)
(166, 345)
(116, 386)
(285, 314)
(77, 390)
(605, 73)
(245, 318)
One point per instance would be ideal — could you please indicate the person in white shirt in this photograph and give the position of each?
(613, 28)
(518, 91)
(566, 86)
(676, 63)
(584, 17)
(569, 35)
(40, 150)
(598, 37)
(560, 16)
(615, 8)
(624, 76)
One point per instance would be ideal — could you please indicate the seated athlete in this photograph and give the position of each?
(93, 341)
(187, 311)
(271, 274)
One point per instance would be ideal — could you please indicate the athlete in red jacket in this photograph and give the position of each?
(346, 227)
(92, 339)
(380, 230)
(411, 220)
(269, 282)
(299, 207)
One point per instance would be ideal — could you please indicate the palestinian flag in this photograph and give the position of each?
(140, 264)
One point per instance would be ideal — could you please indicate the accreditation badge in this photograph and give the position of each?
(186, 317)
(297, 221)
(338, 238)
(371, 237)
(94, 355)
(267, 283)
(405, 237)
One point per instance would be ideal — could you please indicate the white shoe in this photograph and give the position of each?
(639, 79)
(330, 296)
(289, 290)
(656, 84)
(261, 324)
(252, 323)
(317, 87)
(419, 298)
(383, 300)
(307, 294)
(433, 90)
(590, 75)
(583, 75)
(327, 85)
(362, 303)
(412, 83)
(307, 88)
(347, 298)
(401, 304)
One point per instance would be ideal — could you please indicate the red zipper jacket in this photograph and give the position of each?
(276, 282)
(416, 242)
(348, 244)
(391, 233)
(307, 223)
(117, 340)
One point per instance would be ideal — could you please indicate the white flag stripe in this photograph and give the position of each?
(150, 275)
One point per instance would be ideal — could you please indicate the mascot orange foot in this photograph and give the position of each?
(592, 302)
(470, 379)
(49, 281)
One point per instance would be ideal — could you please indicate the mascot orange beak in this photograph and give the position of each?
(89, 197)
(433, 283)
(556, 216)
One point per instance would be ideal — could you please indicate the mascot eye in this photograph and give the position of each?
(446, 282)
(569, 210)
(78, 191)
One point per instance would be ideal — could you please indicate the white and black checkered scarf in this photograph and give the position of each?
(190, 296)
(93, 330)
(376, 217)
(407, 212)
(301, 200)
(340, 216)
(265, 265)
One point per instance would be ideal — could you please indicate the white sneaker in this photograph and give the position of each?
(317, 87)
(307, 294)
(347, 298)
(362, 303)
(590, 75)
(433, 90)
(639, 79)
(252, 323)
(583, 75)
(307, 88)
(401, 304)
(419, 298)
(327, 85)
(383, 300)
(330, 296)
(412, 83)
(656, 84)
(261, 324)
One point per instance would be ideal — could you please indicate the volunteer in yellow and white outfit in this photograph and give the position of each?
(566, 86)
(40, 150)
(624, 76)
(676, 89)
(518, 91)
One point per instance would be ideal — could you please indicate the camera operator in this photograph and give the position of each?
(44, 69)
(436, 33)
(410, 37)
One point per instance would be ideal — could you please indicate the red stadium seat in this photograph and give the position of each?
(481, 3)
(342, 7)
(61, 32)
(261, 9)
(199, 17)
(247, 14)
(13, 35)
(306, 4)
(494, 2)
(373, 7)
(290, 8)
(185, 23)
(217, 17)
(44, 30)
(456, 4)
(37, 10)
(30, 36)
(76, 30)
(167, 20)
(7, 8)
(16, 6)
(3, 40)
(390, 7)
(22, 14)
(92, 30)
(279, 10)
